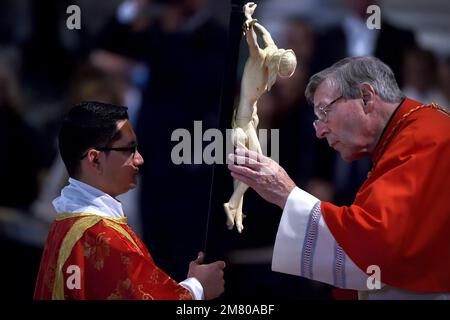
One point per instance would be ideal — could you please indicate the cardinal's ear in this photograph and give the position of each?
(367, 96)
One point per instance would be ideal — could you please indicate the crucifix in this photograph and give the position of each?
(261, 70)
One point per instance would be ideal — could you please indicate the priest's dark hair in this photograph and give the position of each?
(88, 125)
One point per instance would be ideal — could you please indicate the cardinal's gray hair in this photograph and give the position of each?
(346, 76)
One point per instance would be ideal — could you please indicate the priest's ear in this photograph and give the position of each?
(368, 95)
(93, 163)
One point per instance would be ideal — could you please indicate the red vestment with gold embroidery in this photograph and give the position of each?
(87, 256)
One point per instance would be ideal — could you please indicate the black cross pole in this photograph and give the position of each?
(218, 237)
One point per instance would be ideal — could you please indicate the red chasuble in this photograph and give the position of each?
(400, 219)
(92, 257)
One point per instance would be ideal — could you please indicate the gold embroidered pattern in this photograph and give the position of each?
(96, 248)
(123, 232)
(185, 295)
(121, 290)
(154, 277)
(126, 261)
(144, 295)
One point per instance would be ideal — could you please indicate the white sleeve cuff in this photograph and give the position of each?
(195, 287)
(292, 231)
(305, 246)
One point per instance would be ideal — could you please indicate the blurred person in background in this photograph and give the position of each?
(22, 163)
(420, 76)
(444, 79)
(20, 141)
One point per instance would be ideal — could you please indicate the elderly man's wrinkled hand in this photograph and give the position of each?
(262, 174)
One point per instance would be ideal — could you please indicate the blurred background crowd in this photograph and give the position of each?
(164, 60)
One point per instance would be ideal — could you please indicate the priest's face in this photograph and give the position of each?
(342, 122)
(121, 166)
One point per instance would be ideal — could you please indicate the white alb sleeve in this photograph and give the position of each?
(195, 287)
(304, 246)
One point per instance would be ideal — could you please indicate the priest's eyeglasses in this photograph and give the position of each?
(132, 150)
(321, 112)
